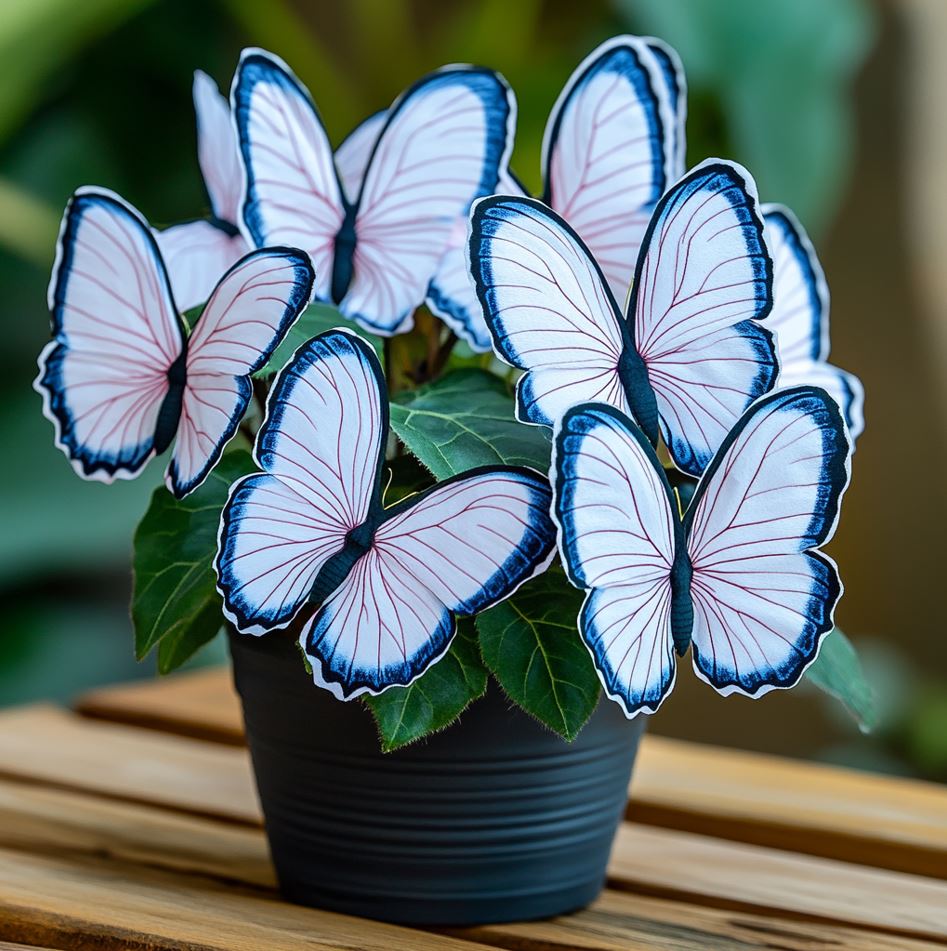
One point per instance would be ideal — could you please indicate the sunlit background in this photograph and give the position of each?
(838, 108)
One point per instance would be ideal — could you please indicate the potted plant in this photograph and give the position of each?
(434, 560)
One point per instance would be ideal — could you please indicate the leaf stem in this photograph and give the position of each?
(442, 355)
(386, 359)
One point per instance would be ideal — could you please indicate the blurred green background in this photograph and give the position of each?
(834, 106)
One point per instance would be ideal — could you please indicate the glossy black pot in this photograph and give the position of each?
(493, 819)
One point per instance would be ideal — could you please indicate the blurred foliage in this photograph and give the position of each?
(98, 92)
(838, 671)
(770, 86)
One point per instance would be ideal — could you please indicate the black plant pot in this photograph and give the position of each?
(494, 819)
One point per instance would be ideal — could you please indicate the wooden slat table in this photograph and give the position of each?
(133, 823)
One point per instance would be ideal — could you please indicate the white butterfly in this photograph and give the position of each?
(689, 355)
(377, 219)
(738, 579)
(800, 317)
(123, 377)
(614, 143)
(382, 586)
(196, 253)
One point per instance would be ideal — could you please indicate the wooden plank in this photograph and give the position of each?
(740, 877)
(874, 820)
(657, 862)
(95, 902)
(61, 823)
(44, 744)
(620, 922)
(77, 872)
(200, 703)
(858, 817)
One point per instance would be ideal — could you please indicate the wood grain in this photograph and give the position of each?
(44, 744)
(819, 810)
(66, 824)
(98, 902)
(738, 877)
(201, 704)
(619, 922)
(111, 813)
(859, 817)
(159, 885)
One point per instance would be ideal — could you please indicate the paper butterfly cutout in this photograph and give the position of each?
(122, 376)
(689, 356)
(196, 253)
(800, 317)
(614, 143)
(738, 579)
(376, 231)
(311, 529)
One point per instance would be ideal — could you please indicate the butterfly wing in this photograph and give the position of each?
(703, 280)
(763, 595)
(451, 295)
(605, 153)
(116, 333)
(218, 152)
(443, 145)
(456, 548)
(671, 71)
(246, 317)
(351, 157)
(617, 536)
(321, 449)
(844, 387)
(547, 306)
(196, 254)
(293, 195)
(800, 316)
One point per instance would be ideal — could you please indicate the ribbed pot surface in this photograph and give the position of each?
(493, 819)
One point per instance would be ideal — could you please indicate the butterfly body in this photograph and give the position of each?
(377, 590)
(123, 378)
(374, 215)
(227, 227)
(738, 579)
(343, 267)
(358, 542)
(687, 355)
(682, 606)
(633, 373)
(169, 413)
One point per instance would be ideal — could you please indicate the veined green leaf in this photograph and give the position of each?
(531, 644)
(175, 603)
(436, 698)
(466, 419)
(316, 319)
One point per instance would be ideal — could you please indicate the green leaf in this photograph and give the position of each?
(531, 644)
(436, 698)
(466, 419)
(315, 319)
(175, 603)
(838, 671)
